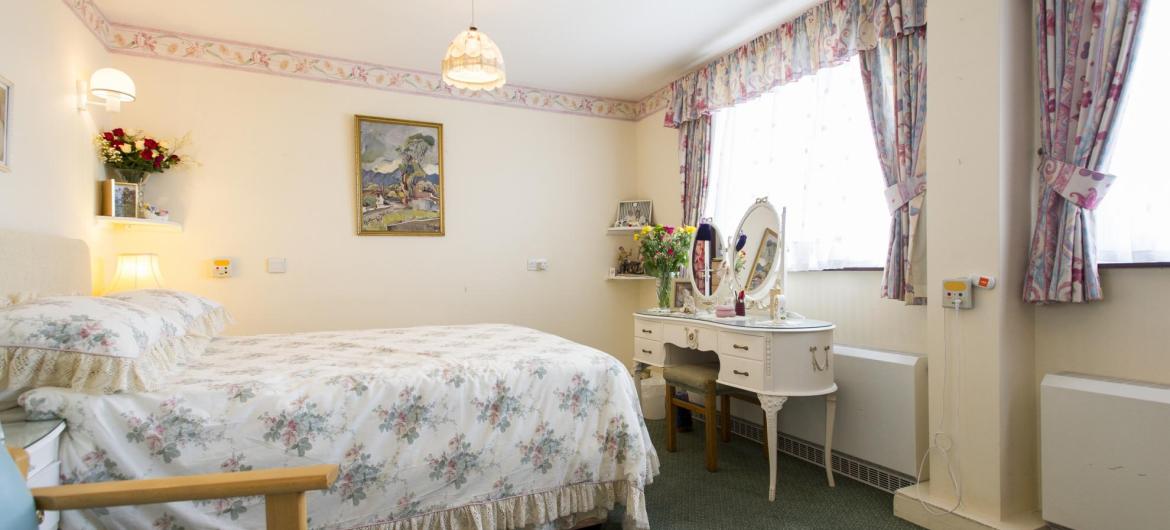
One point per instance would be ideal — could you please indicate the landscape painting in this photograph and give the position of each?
(400, 177)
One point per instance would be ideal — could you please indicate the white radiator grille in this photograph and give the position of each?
(864, 472)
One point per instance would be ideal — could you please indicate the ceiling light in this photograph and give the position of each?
(473, 61)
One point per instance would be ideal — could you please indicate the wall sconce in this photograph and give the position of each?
(136, 271)
(110, 85)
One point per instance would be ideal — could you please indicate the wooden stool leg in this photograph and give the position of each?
(710, 423)
(725, 415)
(286, 511)
(671, 442)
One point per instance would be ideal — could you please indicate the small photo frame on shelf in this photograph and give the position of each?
(5, 125)
(681, 287)
(120, 199)
(633, 214)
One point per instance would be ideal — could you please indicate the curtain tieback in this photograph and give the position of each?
(900, 194)
(1082, 186)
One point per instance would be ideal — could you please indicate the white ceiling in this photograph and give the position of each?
(623, 49)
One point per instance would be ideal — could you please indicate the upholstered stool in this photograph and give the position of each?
(702, 378)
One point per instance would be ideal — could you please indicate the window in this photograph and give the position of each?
(1133, 221)
(808, 146)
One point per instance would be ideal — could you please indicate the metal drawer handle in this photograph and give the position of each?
(817, 366)
(737, 372)
(647, 352)
(739, 347)
(646, 331)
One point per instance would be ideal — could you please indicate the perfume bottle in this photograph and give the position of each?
(740, 308)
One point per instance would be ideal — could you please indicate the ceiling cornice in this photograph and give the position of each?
(209, 51)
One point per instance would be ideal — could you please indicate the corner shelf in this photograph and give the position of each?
(629, 277)
(622, 230)
(133, 223)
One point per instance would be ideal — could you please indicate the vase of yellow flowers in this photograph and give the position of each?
(664, 251)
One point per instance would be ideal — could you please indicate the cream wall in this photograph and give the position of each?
(52, 187)
(277, 180)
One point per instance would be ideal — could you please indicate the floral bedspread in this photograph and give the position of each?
(485, 426)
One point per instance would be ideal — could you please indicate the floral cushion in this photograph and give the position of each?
(190, 314)
(87, 343)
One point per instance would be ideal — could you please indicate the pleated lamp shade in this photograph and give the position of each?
(473, 62)
(136, 271)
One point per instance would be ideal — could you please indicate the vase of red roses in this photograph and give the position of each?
(133, 157)
(664, 251)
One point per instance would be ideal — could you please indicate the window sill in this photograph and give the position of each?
(1141, 265)
(844, 269)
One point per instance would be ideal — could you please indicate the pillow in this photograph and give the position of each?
(87, 343)
(189, 314)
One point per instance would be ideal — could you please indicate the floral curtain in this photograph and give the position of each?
(895, 87)
(694, 147)
(1085, 48)
(826, 35)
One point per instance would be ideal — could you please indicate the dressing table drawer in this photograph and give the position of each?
(690, 337)
(740, 345)
(647, 329)
(742, 373)
(649, 351)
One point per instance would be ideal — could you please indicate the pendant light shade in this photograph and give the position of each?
(473, 62)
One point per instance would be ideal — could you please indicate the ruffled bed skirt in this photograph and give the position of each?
(37, 367)
(557, 508)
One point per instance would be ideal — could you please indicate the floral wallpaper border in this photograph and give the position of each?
(209, 51)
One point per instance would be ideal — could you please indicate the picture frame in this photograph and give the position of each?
(681, 287)
(764, 260)
(634, 214)
(399, 183)
(5, 125)
(120, 199)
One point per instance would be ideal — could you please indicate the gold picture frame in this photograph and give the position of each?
(391, 200)
(760, 270)
(120, 199)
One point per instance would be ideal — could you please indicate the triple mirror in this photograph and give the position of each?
(750, 260)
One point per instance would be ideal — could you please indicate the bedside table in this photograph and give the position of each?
(40, 439)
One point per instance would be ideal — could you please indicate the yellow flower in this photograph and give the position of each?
(689, 229)
(646, 229)
(635, 237)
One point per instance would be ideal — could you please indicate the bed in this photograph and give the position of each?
(482, 426)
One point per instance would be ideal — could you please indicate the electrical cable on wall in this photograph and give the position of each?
(940, 440)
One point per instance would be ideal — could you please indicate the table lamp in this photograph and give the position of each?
(136, 271)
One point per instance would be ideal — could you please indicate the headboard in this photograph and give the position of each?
(43, 264)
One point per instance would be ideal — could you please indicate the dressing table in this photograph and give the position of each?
(771, 352)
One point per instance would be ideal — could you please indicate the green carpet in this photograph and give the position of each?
(685, 496)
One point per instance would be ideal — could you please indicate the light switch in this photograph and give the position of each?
(537, 264)
(957, 291)
(277, 265)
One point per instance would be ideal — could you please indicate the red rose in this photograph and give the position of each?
(173, 158)
(669, 229)
(117, 144)
(108, 136)
(146, 154)
(158, 160)
(119, 132)
(150, 144)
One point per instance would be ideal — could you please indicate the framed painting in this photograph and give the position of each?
(120, 199)
(5, 124)
(765, 259)
(399, 177)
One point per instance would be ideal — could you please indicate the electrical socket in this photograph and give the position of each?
(957, 289)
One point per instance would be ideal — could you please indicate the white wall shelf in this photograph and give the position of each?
(133, 223)
(629, 277)
(622, 230)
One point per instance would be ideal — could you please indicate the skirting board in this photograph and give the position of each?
(908, 507)
(864, 472)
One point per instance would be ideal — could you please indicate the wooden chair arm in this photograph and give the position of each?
(20, 456)
(267, 482)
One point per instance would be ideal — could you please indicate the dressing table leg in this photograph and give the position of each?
(772, 406)
(830, 418)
